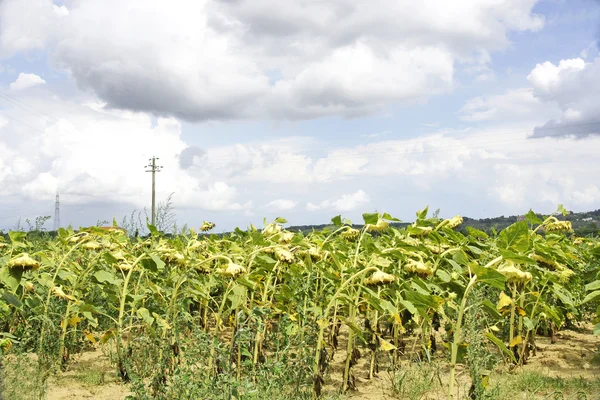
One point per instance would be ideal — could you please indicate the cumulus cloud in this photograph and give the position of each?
(348, 202)
(77, 155)
(514, 105)
(263, 58)
(572, 85)
(188, 157)
(25, 81)
(282, 204)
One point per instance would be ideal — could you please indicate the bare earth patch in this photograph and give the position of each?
(572, 357)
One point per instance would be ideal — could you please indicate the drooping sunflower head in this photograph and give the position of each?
(418, 267)
(233, 270)
(514, 274)
(23, 262)
(286, 237)
(381, 225)
(380, 278)
(284, 255)
(454, 221)
(350, 235)
(206, 226)
(559, 226)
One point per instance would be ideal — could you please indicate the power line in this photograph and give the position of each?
(25, 106)
(21, 122)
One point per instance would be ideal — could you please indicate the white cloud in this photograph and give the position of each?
(263, 58)
(282, 204)
(513, 105)
(347, 202)
(28, 25)
(547, 76)
(97, 157)
(572, 85)
(25, 81)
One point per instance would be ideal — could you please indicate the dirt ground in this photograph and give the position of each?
(574, 355)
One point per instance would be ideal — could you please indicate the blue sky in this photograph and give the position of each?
(306, 110)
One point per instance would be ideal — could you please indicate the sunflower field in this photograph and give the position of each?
(263, 313)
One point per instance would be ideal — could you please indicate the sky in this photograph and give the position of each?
(305, 109)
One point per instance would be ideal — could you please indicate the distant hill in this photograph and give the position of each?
(584, 223)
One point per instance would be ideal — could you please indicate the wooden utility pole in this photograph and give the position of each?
(154, 169)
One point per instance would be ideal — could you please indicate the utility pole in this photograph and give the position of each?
(154, 169)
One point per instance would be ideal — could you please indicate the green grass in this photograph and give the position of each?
(535, 385)
(19, 378)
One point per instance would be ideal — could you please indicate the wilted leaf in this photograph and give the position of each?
(89, 337)
(109, 334)
(385, 345)
(516, 341)
(504, 302)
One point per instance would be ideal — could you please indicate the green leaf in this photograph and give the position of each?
(490, 309)
(591, 296)
(388, 217)
(597, 330)
(160, 264)
(443, 275)
(109, 258)
(501, 346)
(12, 299)
(423, 302)
(422, 214)
(476, 233)
(244, 281)
(532, 218)
(475, 250)
(515, 238)
(280, 220)
(11, 277)
(266, 259)
(144, 314)
(489, 276)
(409, 306)
(371, 218)
(593, 286)
(152, 229)
(153, 263)
(528, 323)
(237, 296)
(516, 258)
(561, 209)
(460, 257)
(337, 220)
(107, 277)
(352, 325)
(564, 296)
(17, 238)
(93, 321)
